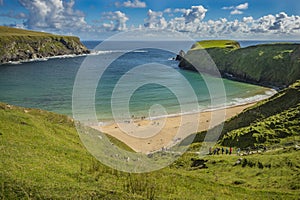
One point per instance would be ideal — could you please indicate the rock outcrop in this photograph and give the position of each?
(180, 55)
(23, 45)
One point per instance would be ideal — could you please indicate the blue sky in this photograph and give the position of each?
(264, 19)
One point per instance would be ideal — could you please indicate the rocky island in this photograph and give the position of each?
(273, 65)
(22, 45)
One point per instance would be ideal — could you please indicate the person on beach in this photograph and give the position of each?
(230, 150)
(222, 150)
(227, 151)
(215, 151)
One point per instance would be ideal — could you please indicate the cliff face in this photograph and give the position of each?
(269, 65)
(20, 45)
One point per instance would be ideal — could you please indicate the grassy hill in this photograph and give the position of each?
(261, 64)
(22, 45)
(8, 31)
(266, 123)
(42, 158)
(206, 44)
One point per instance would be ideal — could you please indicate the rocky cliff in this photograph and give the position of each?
(21, 45)
(276, 65)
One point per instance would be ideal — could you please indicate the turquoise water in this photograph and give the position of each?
(49, 84)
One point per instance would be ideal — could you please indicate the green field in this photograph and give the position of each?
(8, 31)
(206, 44)
(42, 157)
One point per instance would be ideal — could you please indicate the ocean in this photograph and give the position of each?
(48, 84)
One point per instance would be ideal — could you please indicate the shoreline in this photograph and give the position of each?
(43, 59)
(138, 134)
(245, 101)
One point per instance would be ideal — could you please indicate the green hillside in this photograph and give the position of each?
(22, 45)
(266, 123)
(8, 31)
(275, 64)
(206, 44)
(42, 157)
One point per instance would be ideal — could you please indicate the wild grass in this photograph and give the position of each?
(206, 44)
(266, 123)
(8, 31)
(42, 157)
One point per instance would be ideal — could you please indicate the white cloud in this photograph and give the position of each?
(168, 10)
(117, 21)
(155, 20)
(242, 6)
(53, 14)
(195, 14)
(191, 23)
(228, 8)
(248, 19)
(132, 4)
(191, 16)
(59, 16)
(236, 12)
(180, 10)
(280, 24)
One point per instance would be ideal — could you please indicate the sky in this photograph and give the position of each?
(199, 19)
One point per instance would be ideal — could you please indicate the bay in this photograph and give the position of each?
(49, 84)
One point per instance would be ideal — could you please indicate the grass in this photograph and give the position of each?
(42, 157)
(267, 122)
(8, 31)
(206, 44)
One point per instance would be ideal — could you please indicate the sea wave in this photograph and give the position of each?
(253, 99)
(101, 52)
(93, 53)
(45, 59)
(235, 102)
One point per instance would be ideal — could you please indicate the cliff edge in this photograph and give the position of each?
(22, 45)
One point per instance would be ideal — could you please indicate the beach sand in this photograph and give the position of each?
(151, 135)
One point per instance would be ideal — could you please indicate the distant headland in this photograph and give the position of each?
(272, 65)
(17, 45)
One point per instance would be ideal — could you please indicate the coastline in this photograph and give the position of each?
(268, 92)
(166, 128)
(43, 59)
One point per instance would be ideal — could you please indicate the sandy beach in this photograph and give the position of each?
(150, 135)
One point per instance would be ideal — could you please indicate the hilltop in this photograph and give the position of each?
(272, 65)
(22, 45)
(206, 44)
